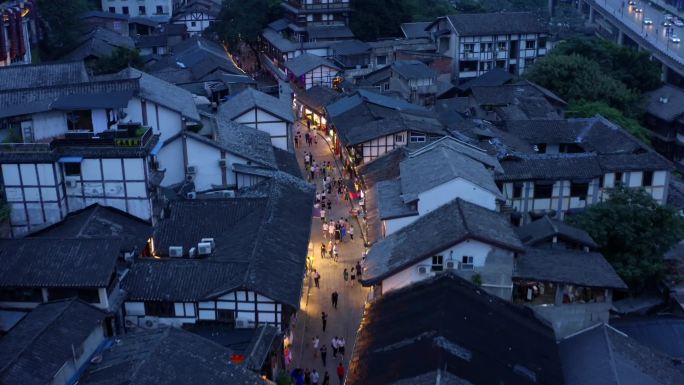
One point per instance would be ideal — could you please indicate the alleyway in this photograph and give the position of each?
(343, 321)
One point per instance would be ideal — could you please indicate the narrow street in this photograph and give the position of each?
(343, 321)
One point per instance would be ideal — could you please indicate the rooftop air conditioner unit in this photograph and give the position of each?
(208, 240)
(422, 270)
(149, 322)
(192, 253)
(223, 163)
(176, 251)
(204, 248)
(191, 170)
(450, 265)
(191, 195)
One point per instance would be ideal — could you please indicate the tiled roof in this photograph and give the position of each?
(167, 356)
(449, 329)
(415, 30)
(413, 69)
(329, 32)
(434, 232)
(493, 78)
(35, 350)
(566, 266)
(250, 98)
(42, 75)
(307, 62)
(550, 167)
(166, 94)
(389, 201)
(545, 228)
(99, 43)
(318, 97)
(503, 23)
(247, 142)
(48, 262)
(666, 103)
(384, 167)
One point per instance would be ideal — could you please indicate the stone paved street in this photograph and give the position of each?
(343, 321)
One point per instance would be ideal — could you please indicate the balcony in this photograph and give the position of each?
(128, 135)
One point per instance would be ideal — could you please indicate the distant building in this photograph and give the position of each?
(17, 31)
(414, 81)
(307, 70)
(159, 10)
(197, 15)
(479, 42)
(665, 118)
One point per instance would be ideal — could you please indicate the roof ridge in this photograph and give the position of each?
(553, 225)
(611, 361)
(459, 202)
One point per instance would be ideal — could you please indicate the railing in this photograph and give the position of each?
(332, 6)
(25, 147)
(133, 136)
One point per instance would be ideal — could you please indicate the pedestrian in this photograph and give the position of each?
(351, 232)
(307, 377)
(343, 233)
(325, 229)
(296, 140)
(336, 254)
(315, 377)
(317, 278)
(315, 138)
(329, 204)
(315, 343)
(340, 346)
(308, 125)
(358, 270)
(323, 251)
(345, 274)
(333, 345)
(340, 372)
(338, 234)
(352, 277)
(331, 231)
(323, 214)
(307, 136)
(324, 353)
(334, 299)
(326, 379)
(324, 319)
(307, 158)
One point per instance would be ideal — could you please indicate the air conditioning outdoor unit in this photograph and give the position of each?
(466, 266)
(176, 251)
(149, 322)
(191, 195)
(191, 170)
(228, 194)
(208, 240)
(190, 177)
(131, 322)
(450, 265)
(241, 323)
(223, 163)
(71, 183)
(422, 270)
(192, 253)
(204, 248)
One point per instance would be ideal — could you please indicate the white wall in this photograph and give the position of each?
(163, 121)
(49, 124)
(393, 225)
(133, 10)
(321, 75)
(264, 121)
(170, 158)
(456, 188)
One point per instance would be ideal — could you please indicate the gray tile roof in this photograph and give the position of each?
(329, 32)
(413, 69)
(318, 97)
(165, 94)
(666, 103)
(446, 325)
(517, 101)
(493, 78)
(167, 356)
(36, 348)
(99, 43)
(97, 221)
(415, 30)
(567, 266)
(389, 201)
(503, 23)
(602, 355)
(261, 240)
(384, 167)
(247, 142)
(545, 228)
(442, 162)
(259, 347)
(279, 25)
(434, 232)
(550, 167)
(49, 262)
(675, 195)
(104, 15)
(351, 47)
(287, 162)
(42, 75)
(347, 103)
(307, 62)
(250, 98)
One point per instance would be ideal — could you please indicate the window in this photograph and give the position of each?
(386, 86)
(193, 23)
(141, 9)
(529, 44)
(223, 315)
(81, 120)
(417, 137)
(500, 64)
(540, 148)
(124, 10)
(467, 262)
(381, 60)
(517, 190)
(467, 66)
(72, 169)
(542, 42)
(618, 179)
(468, 48)
(398, 138)
(543, 190)
(112, 9)
(21, 295)
(579, 190)
(159, 9)
(647, 180)
(501, 46)
(160, 309)
(486, 47)
(437, 263)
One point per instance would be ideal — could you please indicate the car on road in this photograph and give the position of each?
(666, 23)
(648, 21)
(638, 10)
(678, 23)
(632, 2)
(675, 39)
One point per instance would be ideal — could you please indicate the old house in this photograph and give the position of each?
(263, 112)
(197, 15)
(236, 262)
(552, 233)
(479, 42)
(158, 10)
(476, 243)
(665, 118)
(446, 330)
(53, 343)
(307, 70)
(414, 81)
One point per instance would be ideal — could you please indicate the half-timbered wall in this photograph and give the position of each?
(196, 22)
(267, 122)
(383, 145)
(321, 75)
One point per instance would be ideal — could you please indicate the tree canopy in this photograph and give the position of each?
(633, 232)
(63, 25)
(589, 109)
(373, 19)
(244, 20)
(119, 59)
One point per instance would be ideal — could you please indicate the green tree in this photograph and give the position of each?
(63, 25)
(633, 232)
(119, 59)
(576, 78)
(589, 109)
(373, 19)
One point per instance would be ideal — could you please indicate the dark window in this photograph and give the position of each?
(648, 178)
(467, 262)
(499, 185)
(160, 309)
(437, 263)
(87, 295)
(112, 9)
(223, 315)
(141, 9)
(72, 169)
(500, 64)
(579, 190)
(517, 190)
(569, 148)
(416, 138)
(541, 148)
(601, 180)
(124, 10)
(543, 190)
(542, 42)
(193, 23)
(80, 120)
(618, 179)
(529, 44)
(381, 60)
(159, 9)
(21, 295)
(466, 66)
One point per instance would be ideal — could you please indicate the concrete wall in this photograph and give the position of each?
(570, 318)
(456, 188)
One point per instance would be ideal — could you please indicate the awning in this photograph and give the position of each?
(70, 159)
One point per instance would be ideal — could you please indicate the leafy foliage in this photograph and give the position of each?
(373, 19)
(119, 59)
(589, 109)
(633, 232)
(4, 210)
(63, 25)
(243, 20)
